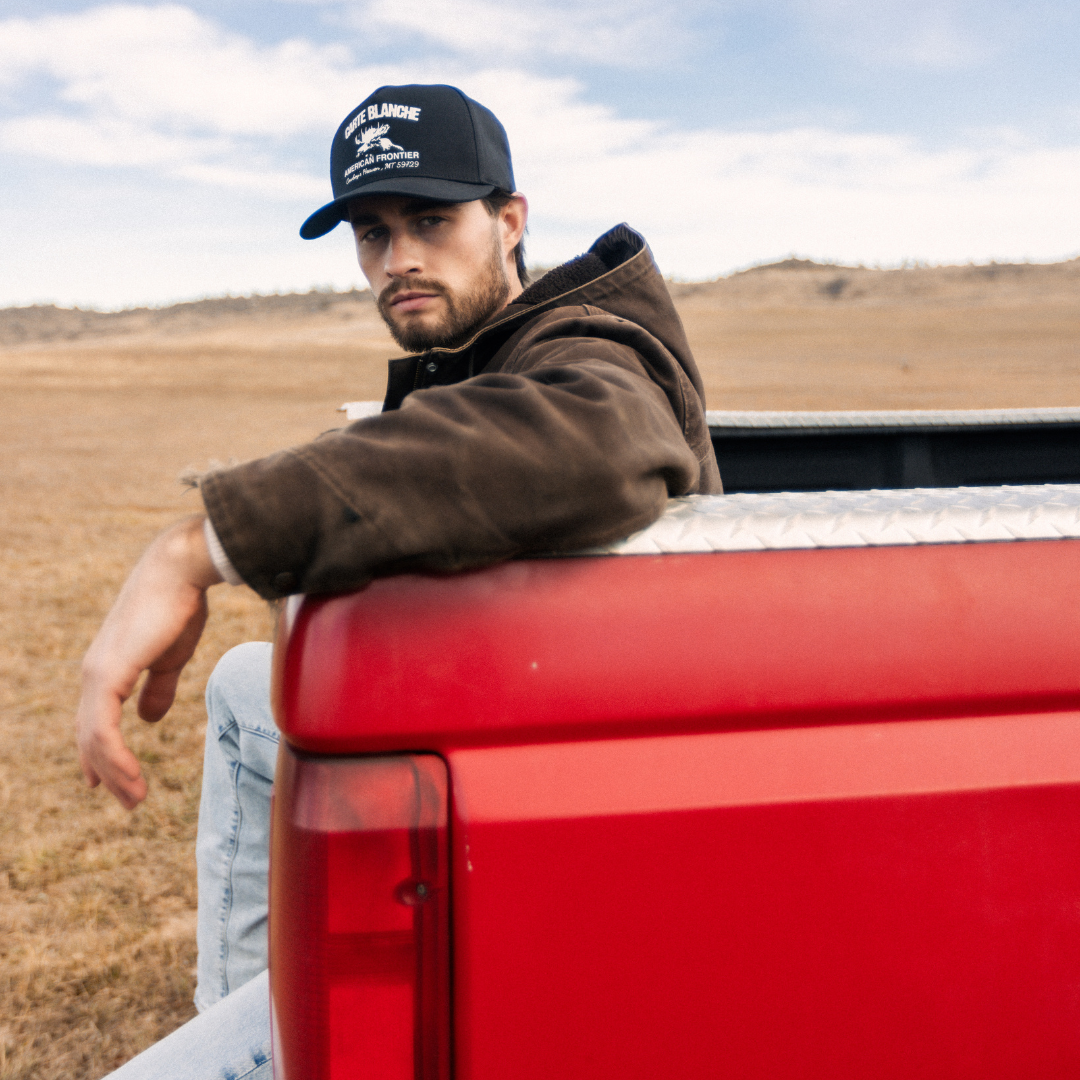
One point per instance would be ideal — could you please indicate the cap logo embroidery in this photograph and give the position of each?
(371, 135)
(376, 153)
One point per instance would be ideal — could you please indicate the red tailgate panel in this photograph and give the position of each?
(802, 930)
(781, 942)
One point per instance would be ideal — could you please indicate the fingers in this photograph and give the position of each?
(129, 793)
(103, 755)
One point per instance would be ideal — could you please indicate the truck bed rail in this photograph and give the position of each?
(840, 519)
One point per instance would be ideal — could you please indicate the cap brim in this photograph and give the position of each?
(327, 217)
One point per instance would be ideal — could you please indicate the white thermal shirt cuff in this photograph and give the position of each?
(218, 557)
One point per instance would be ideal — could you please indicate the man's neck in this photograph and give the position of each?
(516, 288)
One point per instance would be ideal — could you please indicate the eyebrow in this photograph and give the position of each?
(414, 206)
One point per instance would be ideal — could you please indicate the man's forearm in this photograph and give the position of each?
(153, 626)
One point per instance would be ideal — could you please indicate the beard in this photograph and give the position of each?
(465, 311)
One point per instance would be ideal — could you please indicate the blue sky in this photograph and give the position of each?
(160, 151)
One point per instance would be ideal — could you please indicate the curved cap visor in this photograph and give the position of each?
(423, 187)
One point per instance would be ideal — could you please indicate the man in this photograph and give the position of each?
(535, 419)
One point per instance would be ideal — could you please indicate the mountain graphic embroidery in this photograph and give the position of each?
(371, 137)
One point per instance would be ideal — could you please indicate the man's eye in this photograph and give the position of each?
(376, 233)
(432, 219)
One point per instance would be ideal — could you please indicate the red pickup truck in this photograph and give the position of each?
(787, 785)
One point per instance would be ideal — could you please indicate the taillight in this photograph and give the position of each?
(359, 918)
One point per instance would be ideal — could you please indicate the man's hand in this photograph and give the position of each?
(154, 626)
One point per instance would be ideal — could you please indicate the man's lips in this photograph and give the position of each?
(412, 301)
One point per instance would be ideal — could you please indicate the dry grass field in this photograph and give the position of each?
(101, 413)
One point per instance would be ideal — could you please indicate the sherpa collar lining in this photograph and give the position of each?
(611, 250)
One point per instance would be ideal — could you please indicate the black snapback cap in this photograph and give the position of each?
(429, 141)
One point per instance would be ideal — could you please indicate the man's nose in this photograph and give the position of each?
(403, 256)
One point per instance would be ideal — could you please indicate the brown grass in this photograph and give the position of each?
(100, 415)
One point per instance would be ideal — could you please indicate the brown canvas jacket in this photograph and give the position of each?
(568, 420)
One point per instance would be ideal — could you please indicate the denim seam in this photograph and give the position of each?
(234, 847)
(256, 1065)
(262, 732)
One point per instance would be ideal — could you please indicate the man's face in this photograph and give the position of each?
(438, 270)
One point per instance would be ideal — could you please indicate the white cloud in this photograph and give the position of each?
(931, 34)
(277, 184)
(168, 65)
(164, 89)
(618, 33)
(711, 201)
(610, 32)
(119, 144)
(103, 142)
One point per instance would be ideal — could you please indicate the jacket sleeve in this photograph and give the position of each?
(579, 446)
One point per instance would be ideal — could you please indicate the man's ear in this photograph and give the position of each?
(513, 218)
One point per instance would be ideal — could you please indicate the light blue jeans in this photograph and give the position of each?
(230, 1038)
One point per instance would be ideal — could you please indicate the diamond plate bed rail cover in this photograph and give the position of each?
(892, 418)
(827, 519)
(880, 418)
